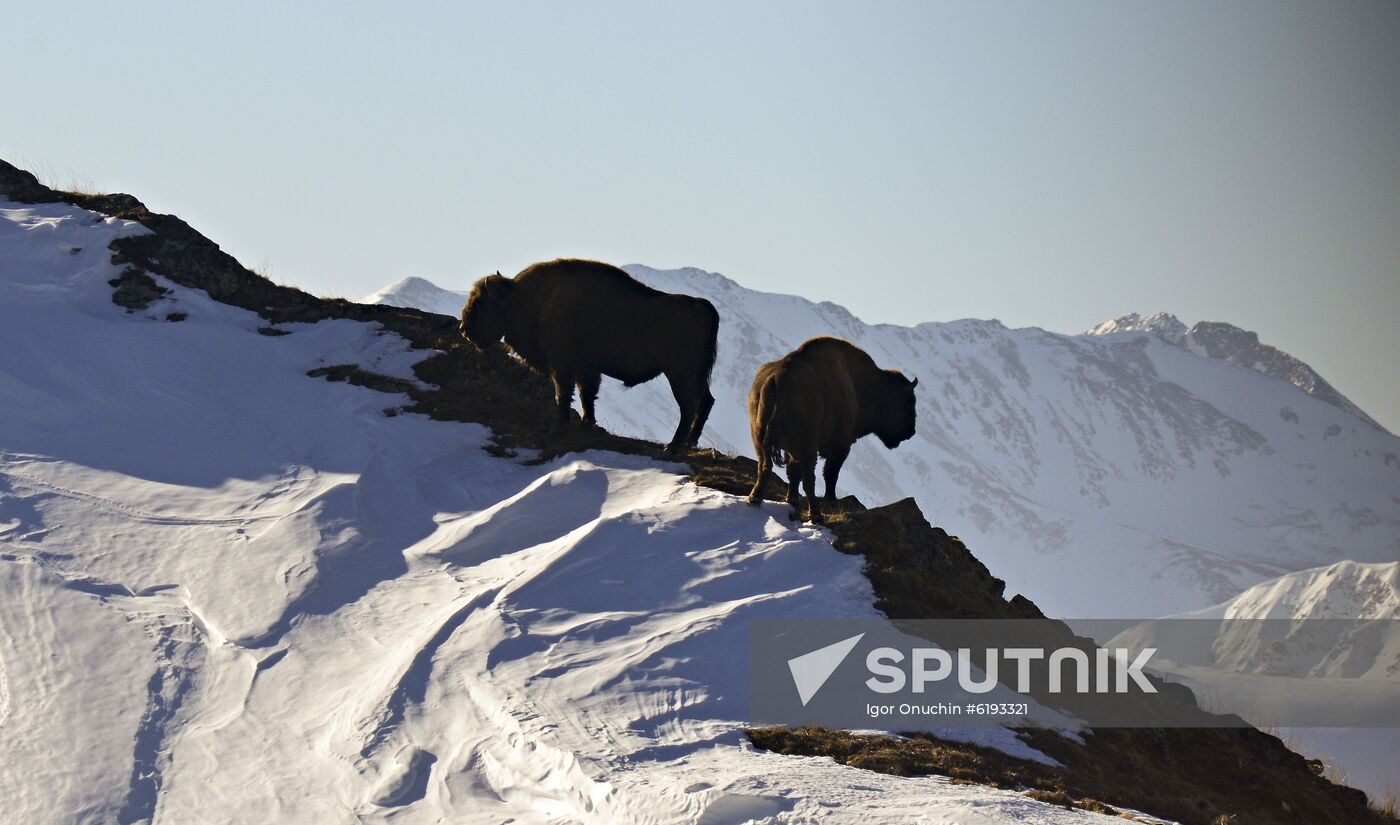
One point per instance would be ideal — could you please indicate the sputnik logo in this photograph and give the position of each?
(811, 670)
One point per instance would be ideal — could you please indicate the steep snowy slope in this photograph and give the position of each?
(231, 593)
(1106, 475)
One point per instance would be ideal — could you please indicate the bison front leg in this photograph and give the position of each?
(831, 471)
(563, 399)
(588, 394)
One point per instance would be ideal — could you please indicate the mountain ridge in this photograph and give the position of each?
(1238, 347)
(1206, 338)
(1046, 450)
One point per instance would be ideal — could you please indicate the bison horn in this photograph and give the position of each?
(914, 383)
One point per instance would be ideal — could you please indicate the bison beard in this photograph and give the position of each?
(577, 321)
(818, 401)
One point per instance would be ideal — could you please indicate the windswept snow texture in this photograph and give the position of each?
(233, 593)
(1104, 476)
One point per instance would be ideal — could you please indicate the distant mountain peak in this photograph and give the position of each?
(420, 293)
(1237, 347)
(1162, 324)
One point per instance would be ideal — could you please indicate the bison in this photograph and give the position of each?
(820, 399)
(577, 321)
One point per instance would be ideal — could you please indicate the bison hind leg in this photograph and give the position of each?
(702, 414)
(794, 479)
(809, 486)
(688, 400)
(760, 476)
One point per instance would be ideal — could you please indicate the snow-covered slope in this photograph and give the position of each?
(1338, 621)
(1237, 347)
(1336, 625)
(1104, 475)
(232, 593)
(1346, 590)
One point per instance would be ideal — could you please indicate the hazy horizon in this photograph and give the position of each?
(1044, 165)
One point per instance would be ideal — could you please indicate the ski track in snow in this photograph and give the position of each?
(232, 593)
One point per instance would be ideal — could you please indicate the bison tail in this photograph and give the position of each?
(707, 364)
(764, 441)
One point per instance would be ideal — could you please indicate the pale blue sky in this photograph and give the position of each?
(1044, 163)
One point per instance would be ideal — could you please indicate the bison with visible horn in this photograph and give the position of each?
(577, 321)
(817, 401)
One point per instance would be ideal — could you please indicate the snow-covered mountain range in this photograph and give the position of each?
(1140, 470)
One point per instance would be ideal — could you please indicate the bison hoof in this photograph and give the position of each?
(755, 500)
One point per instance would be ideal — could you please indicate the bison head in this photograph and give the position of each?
(894, 423)
(484, 316)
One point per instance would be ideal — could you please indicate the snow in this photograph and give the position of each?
(1347, 664)
(1346, 590)
(231, 593)
(1238, 347)
(1069, 462)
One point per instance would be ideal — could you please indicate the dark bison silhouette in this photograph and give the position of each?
(577, 321)
(818, 400)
